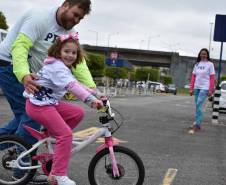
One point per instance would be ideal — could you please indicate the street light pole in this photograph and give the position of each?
(211, 26)
(219, 67)
(141, 41)
(149, 40)
(109, 37)
(96, 35)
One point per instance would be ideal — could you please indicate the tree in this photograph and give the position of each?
(116, 72)
(132, 75)
(3, 23)
(223, 78)
(142, 74)
(166, 79)
(96, 64)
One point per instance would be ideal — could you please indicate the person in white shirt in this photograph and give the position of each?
(45, 106)
(201, 85)
(22, 53)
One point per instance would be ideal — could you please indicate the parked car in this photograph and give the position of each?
(171, 88)
(222, 103)
(140, 84)
(157, 86)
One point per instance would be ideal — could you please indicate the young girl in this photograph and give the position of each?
(45, 106)
(201, 85)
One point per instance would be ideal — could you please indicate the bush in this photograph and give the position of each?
(3, 22)
(116, 72)
(166, 79)
(132, 75)
(223, 78)
(143, 73)
(96, 64)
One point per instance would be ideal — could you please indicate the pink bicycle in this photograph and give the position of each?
(112, 164)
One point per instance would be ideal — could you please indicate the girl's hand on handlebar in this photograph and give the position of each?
(104, 98)
(97, 104)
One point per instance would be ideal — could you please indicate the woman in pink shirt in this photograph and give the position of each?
(201, 85)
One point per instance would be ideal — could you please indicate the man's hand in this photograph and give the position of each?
(191, 92)
(29, 83)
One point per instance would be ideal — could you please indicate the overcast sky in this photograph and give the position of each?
(164, 25)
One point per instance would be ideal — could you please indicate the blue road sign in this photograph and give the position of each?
(220, 28)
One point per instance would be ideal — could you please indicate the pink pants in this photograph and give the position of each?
(59, 120)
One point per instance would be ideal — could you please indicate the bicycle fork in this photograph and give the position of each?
(110, 143)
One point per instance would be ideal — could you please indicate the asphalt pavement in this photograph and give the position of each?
(155, 128)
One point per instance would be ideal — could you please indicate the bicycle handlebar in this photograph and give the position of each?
(106, 108)
(110, 115)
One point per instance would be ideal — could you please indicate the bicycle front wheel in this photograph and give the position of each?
(130, 167)
(11, 147)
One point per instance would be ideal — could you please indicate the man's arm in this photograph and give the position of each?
(20, 49)
(83, 75)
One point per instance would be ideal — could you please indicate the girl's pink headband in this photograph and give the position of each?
(73, 36)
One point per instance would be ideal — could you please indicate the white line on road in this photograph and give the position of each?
(180, 105)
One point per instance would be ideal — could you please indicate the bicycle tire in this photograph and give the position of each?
(117, 150)
(15, 140)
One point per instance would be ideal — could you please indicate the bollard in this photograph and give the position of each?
(140, 88)
(216, 102)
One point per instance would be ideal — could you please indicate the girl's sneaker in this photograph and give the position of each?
(60, 180)
(191, 126)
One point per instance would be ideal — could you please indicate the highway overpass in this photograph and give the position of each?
(180, 67)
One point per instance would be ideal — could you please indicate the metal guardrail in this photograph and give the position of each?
(126, 91)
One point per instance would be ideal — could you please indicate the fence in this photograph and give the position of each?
(126, 91)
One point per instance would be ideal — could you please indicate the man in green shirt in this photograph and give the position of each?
(23, 51)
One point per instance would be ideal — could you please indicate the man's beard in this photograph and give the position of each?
(66, 22)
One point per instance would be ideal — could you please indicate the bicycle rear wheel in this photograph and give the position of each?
(130, 166)
(11, 147)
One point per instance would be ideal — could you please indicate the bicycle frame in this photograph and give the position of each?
(78, 145)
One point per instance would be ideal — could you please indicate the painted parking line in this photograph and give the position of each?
(169, 176)
(92, 130)
(86, 132)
